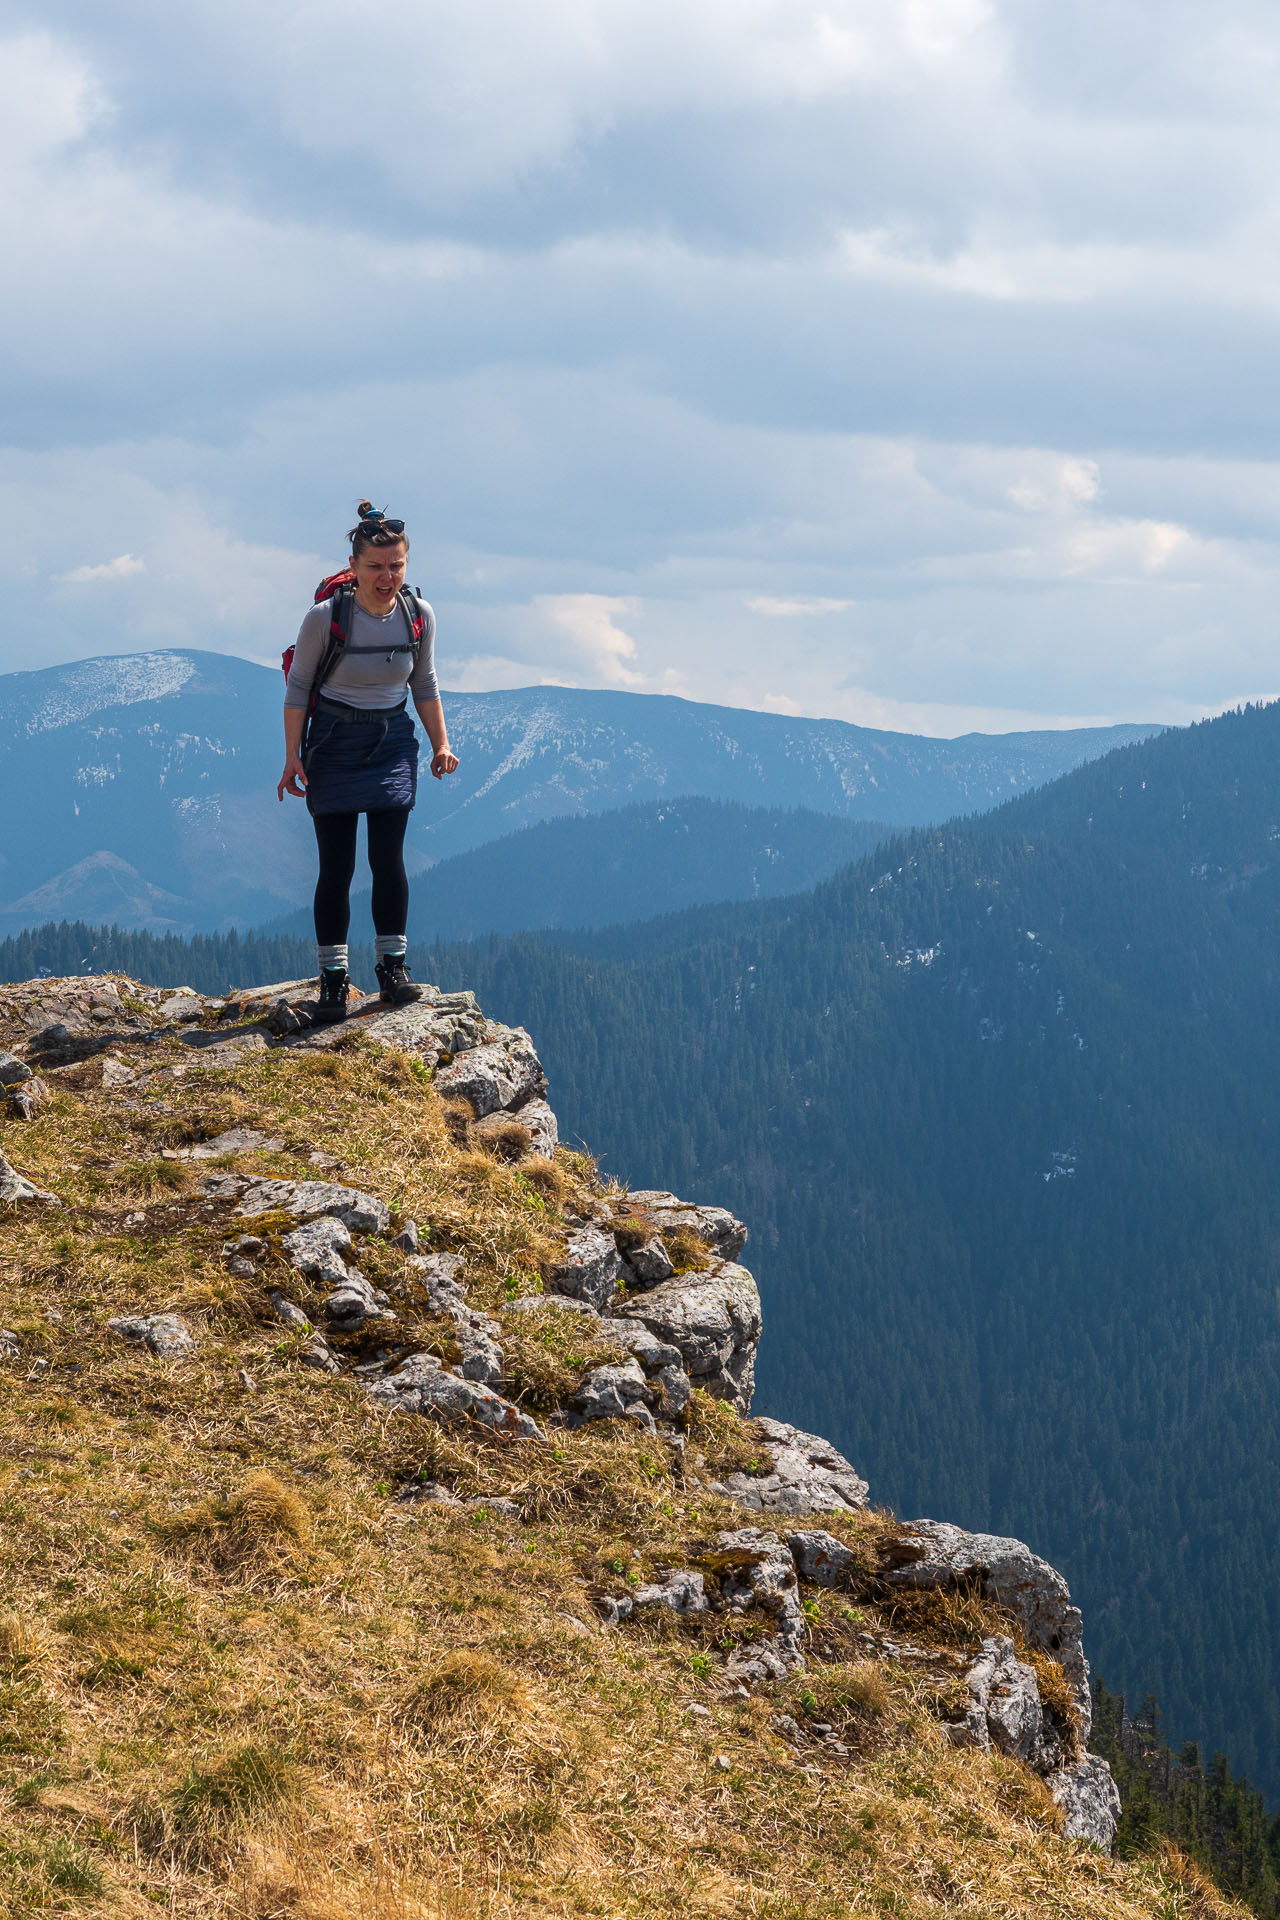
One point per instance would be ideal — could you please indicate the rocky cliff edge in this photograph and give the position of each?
(355, 1265)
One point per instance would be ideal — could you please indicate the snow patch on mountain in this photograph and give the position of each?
(91, 685)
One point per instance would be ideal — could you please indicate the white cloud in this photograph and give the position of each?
(587, 622)
(118, 569)
(49, 99)
(775, 609)
(664, 321)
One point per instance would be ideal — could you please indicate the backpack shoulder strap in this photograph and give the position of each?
(413, 619)
(340, 609)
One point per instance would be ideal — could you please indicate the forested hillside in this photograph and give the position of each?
(1220, 1821)
(1003, 1110)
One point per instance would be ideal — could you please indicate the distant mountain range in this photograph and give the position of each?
(145, 783)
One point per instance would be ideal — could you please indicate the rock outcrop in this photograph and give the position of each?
(797, 1473)
(712, 1318)
(17, 1191)
(659, 1304)
(932, 1553)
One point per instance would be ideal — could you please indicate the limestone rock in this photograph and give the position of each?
(498, 1076)
(304, 1199)
(23, 1100)
(1090, 1800)
(316, 1354)
(477, 1333)
(757, 1570)
(716, 1225)
(317, 1249)
(167, 1335)
(820, 1557)
(682, 1589)
(1004, 1709)
(293, 1317)
(663, 1364)
(234, 1140)
(760, 1661)
(16, 1191)
(613, 1393)
(116, 1075)
(421, 1385)
(216, 1052)
(676, 1387)
(543, 1127)
(807, 1475)
(641, 1344)
(650, 1262)
(414, 1029)
(181, 1007)
(255, 1003)
(713, 1319)
(532, 1302)
(931, 1553)
(13, 1071)
(591, 1270)
(495, 1503)
(353, 1302)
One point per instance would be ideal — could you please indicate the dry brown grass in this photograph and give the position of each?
(263, 1520)
(509, 1140)
(240, 1680)
(1193, 1895)
(686, 1249)
(546, 1178)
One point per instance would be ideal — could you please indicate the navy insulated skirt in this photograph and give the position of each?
(360, 765)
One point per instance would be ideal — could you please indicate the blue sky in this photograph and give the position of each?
(910, 363)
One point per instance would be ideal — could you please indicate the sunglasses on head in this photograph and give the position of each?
(379, 523)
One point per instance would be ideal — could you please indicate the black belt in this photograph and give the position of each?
(338, 710)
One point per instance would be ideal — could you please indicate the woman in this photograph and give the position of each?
(351, 749)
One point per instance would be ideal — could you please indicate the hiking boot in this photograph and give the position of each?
(332, 1004)
(393, 978)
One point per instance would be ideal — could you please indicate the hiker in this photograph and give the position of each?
(351, 749)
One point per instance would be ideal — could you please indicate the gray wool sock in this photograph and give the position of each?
(335, 956)
(390, 946)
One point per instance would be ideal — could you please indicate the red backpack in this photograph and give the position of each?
(340, 590)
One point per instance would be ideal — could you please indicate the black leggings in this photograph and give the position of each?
(336, 839)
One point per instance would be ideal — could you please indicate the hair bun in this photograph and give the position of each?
(363, 507)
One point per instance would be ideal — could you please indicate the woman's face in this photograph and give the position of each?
(379, 575)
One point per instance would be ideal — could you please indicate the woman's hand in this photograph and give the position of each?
(294, 778)
(444, 762)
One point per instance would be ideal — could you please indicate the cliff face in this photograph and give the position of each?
(374, 1468)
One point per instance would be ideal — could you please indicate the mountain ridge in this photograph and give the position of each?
(168, 761)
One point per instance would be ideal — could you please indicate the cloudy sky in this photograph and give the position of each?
(908, 361)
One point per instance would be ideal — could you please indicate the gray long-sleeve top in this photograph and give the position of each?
(374, 680)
